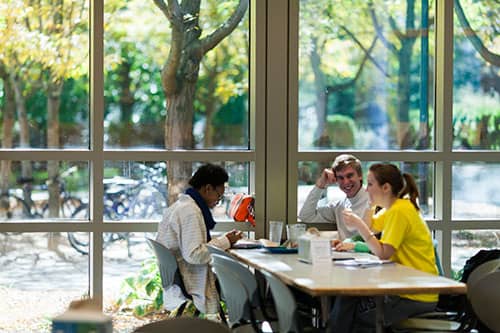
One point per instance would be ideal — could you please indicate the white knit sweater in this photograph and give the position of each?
(183, 230)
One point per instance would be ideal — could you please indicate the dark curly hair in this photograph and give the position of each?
(212, 174)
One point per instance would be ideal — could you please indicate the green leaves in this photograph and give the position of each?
(142, 293)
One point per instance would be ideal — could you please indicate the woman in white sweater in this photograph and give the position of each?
(185, 229)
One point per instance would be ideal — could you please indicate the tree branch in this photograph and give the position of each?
(378, 30)
(394, 28)
(367, 52)
(220, 33)
(337, 87)
(488, 56)
(172, 12)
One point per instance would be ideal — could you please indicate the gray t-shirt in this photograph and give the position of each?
(332, 212)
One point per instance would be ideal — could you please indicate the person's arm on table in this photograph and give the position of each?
(381, 250)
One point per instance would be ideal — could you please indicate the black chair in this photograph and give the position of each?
(183, 324)
(169, 272)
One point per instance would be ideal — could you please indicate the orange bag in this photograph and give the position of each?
(241, 208)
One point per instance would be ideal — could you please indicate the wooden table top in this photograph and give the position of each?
(330, 279)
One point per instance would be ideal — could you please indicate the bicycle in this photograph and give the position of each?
(125, 199)
(19, 202)
(13, 205)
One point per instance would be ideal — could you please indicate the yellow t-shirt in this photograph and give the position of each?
(377, 220)
(407, 232)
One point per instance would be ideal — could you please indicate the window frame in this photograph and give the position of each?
(274, 154)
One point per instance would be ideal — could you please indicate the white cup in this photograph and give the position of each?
(275, 230)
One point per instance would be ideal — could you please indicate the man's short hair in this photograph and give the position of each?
(345, 160)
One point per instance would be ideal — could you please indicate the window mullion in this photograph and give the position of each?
(96, 148)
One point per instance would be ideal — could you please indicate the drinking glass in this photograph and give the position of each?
(294, 231)
(275, 230)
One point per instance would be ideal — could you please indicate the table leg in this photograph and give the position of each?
(379, 314)
(325, 303)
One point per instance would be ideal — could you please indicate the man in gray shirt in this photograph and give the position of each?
(347, 173)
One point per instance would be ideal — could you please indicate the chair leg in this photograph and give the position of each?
(181, 308)
(222, 315)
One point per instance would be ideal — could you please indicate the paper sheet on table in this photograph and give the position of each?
(362, 262)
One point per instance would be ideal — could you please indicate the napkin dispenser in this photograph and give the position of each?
(313, 248)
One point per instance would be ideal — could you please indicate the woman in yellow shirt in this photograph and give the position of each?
(406, 239)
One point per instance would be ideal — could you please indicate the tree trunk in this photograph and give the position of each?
(24, 135)
(8, 114)
(404, 97)
(404, 57)
(321, 98)
(180, 74)
(126, 104)
(53, 101)
(179, 135)
(210, 104)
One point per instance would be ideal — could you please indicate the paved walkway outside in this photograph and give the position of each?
(37, 284)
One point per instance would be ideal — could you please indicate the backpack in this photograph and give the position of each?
(241, 208)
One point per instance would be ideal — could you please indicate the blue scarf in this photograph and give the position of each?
(207, 214)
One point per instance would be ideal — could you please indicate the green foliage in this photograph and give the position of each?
(142, 293)
(341, 131)
(238, 174)
(476, 119)
(457, 275)
(308, 172)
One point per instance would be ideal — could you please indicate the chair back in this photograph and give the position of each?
(482, 270)
(244, 274)
(286, 306)
(484, 296)
(235, 293)
(167, 265)
(216, 250)
(438, 260)
(183, 324)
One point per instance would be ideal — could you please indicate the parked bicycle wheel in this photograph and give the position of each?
(14, 207)
(67, 208)
(81, 212)
(80, 241)
(148, 204)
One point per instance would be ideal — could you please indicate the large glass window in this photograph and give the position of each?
(167, 82)
(170, 88)
(114, 104)
(476, 76)
(32, 194)
(466, 243)
(44, 69)
(475, 191)
(373, 79)
(364, 78)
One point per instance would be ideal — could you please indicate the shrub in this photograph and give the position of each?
(142, 293)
